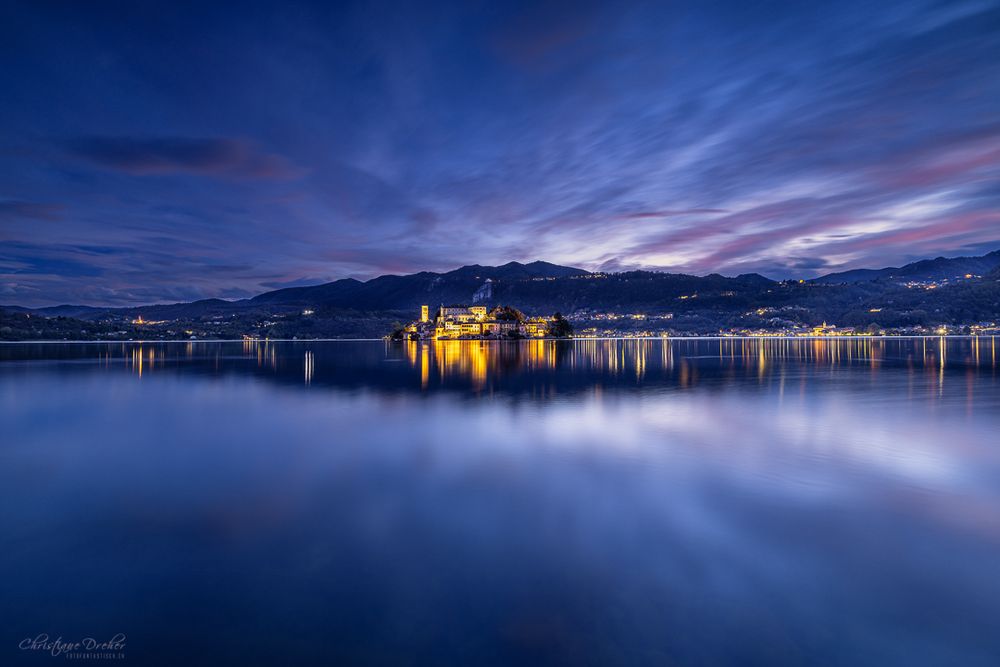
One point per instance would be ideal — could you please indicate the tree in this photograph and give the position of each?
(397, 331)
(560, 327)
(507, 313)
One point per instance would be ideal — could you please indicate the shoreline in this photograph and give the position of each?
(477, 340)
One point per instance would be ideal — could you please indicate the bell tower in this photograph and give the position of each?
(423, 313)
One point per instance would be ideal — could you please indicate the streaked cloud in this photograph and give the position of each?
(224, 148)
(171, 155)
(12, 209)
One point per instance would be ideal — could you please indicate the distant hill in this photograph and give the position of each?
(537, 287)
(680, 302)
(940, 268)
(410, 291)
(516, 271)
(58, 311)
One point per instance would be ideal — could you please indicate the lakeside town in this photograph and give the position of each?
(943, 296)
(454, 322)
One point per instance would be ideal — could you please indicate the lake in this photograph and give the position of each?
(588, 502)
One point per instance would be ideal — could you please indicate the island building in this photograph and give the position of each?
(461, 321)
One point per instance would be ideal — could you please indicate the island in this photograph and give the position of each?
(480, 323)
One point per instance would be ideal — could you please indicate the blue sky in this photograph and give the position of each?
(171, 151)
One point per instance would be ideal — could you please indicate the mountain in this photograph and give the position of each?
(327, 292)
(537, 287)
(616, 301)
(516, 271)
(58, 311)
(940, 268)
(407, 292)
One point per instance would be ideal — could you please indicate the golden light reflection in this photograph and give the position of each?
(142, 359)
(933, 362)
(942, 352)
(544, 367)
(684, 360)
(466, 359)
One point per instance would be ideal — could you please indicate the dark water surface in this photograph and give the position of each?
(690, 502)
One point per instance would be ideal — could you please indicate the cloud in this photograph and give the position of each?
(810, 264)
(638, 215)
(542, 29)
(680, 136)
(14, 210)
(296, 282)
(942, 234)
(218, 157)
(380, 260)
(28, 259)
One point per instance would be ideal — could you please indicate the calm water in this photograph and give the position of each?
(690, 502)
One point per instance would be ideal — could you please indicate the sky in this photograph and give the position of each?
(171, 151)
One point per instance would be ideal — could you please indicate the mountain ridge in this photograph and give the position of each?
(406, 291)
(938, 268)
(904, 300)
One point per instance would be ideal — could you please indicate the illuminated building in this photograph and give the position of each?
(139, 321)
(535, 327)
(459, 321)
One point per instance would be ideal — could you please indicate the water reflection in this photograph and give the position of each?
(933, 366)
(632, 502)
